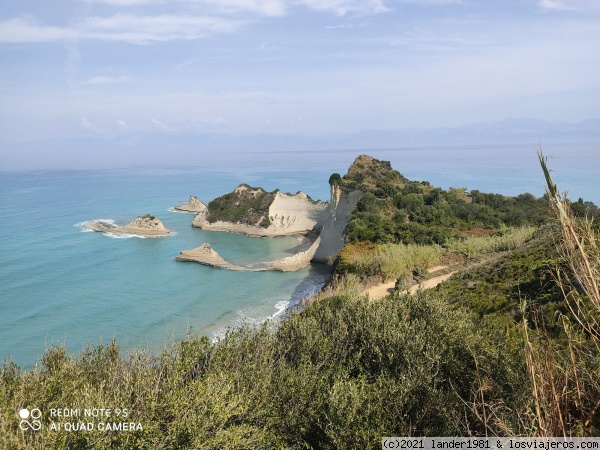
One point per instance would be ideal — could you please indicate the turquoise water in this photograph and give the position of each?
(59, 284)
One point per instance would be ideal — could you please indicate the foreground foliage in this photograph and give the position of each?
(341, 374)
(565, 372)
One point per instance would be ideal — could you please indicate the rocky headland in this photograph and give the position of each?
(143, 226)
(207, 256)
(256, 212)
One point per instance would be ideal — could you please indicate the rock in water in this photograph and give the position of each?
(193, 206)
(142, 226)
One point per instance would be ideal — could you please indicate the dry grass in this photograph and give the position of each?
(565, 381)
(474, 246)
(387, 261)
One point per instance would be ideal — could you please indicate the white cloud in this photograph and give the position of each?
(570, 5)
(270, 8)
(127, 28)
(89, 126)
(339, 27)
(122, 125)
(554, 4)
(145, 29)
(159, 125)
(344, 7)
(25, 30)
(219, 16)
(261, 7)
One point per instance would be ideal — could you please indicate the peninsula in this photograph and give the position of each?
(256, 212)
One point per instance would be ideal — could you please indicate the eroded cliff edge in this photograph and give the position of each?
(342, 202)
(256, 212)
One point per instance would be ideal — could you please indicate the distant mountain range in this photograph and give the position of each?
(160, 148)
(505, 131)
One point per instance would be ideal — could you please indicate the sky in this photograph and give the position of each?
(74, 69)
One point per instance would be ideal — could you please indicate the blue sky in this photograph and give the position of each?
(110, 68)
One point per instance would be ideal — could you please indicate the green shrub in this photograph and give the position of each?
(340, 374)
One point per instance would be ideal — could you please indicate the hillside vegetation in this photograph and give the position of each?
(396, 210)
(509, 346)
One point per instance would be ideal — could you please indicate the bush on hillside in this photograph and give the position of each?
(340, 374)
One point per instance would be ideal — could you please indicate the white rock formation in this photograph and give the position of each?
(334, 221)
(207, 256)
(193, 206)
(288, 215)
(144, 226)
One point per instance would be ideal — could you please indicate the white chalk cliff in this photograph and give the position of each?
(333, 222)
(283, 214)
(287, 215)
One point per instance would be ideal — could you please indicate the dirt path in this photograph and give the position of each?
(381, 290)
(431, 283)
(441, 274)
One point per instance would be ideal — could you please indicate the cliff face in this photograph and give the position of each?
(342, 202)
(255, 212)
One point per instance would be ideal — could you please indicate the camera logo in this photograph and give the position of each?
(30, 419)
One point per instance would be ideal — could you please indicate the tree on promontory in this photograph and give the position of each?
(335, 179)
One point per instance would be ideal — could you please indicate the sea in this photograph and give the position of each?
(61, 284)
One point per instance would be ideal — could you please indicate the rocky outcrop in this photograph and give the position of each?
(192, 206)
(207, 256)
(255, 212)
(142, 226)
